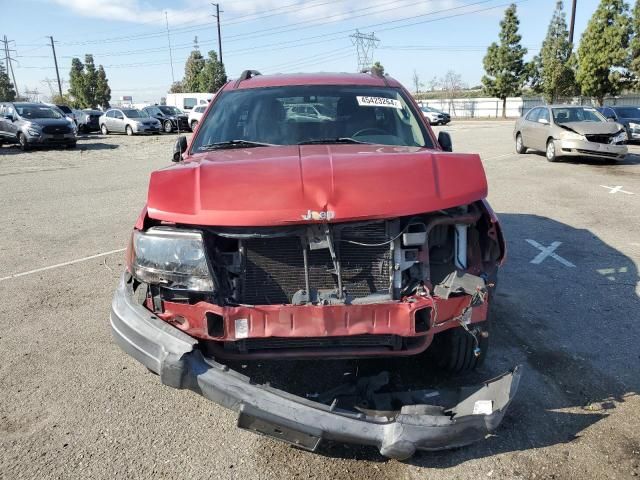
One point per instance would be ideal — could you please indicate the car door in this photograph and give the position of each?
(528, 127)
(10, 126)
(542, 130)
(118, 121)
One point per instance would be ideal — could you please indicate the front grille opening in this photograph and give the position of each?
(215, 324)
(391, 342)
(274, 267)
(422, 319)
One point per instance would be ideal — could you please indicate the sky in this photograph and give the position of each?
(129, 37)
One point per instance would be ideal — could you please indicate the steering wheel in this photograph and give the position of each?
(372, 130)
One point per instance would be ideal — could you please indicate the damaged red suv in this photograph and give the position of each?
(317, 216)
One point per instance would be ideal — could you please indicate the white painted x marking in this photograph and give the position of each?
(548, 252)
(616, 189)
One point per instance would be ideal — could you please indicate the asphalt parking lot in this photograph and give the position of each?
(72, 405)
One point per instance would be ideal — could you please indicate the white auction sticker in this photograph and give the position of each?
(379, 102)
(483, 407)
(242, 328)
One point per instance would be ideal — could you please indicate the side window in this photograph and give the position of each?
(544, 114)
(119, 115)
(532, 116)
(110, 114)
(189, 103)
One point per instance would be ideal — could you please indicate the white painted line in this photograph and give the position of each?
(64, 264)
(616, 189)
(548, 252)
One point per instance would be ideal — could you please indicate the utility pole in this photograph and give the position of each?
(366, 44)
(9, 62)
(217, 15)
(55, 60)
(166, 17)
(573, 20)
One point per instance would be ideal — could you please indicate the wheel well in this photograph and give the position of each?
(550, 138)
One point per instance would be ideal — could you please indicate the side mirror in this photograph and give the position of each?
(444, 139)
(179, 148)
(543, 121)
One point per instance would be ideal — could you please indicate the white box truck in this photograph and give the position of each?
(186, 101)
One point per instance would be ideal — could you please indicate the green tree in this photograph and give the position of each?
(192, 69)
(213, 76)
(504, 62)
(603, 51)
(635, 46)
(377, 69)
(552, 73)
(103, 91)
(90, 82)
(76, 82)
(177, 87)
(7, 92)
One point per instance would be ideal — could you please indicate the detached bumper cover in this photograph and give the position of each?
(397, 434)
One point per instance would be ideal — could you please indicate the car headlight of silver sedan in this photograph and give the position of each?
(620, 137)
(572, 136)
(170, 257)
(634, 126)
(34, 131)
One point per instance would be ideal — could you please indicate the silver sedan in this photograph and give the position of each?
(570, 131)
(129, 121)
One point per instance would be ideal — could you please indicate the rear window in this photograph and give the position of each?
(189, 103)
(64, 108)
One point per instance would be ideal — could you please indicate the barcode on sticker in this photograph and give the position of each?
(379, 102)
(242, 328)
(483, 407)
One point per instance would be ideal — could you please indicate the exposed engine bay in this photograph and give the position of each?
(347, 263)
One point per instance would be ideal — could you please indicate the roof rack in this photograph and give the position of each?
(246, 75)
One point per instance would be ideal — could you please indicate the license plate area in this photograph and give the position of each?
(282, 429)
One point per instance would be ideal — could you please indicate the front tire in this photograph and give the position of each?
(104, 129)
(551, 154)
(168, 128)
(129, 130)
(454, 350)
(520, 148)
(22, 140)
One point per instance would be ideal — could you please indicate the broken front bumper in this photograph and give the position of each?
(397, 434)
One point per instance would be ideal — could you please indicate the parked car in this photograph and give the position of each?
(570, 131)
(435, 117)
(629, 116)
(67, 111)
(127, 120)
(195, 115)
(358, 236)
(309, 111)
(88, 120)
(34, 125)
(171, 118)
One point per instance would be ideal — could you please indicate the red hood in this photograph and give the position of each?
(279, 185)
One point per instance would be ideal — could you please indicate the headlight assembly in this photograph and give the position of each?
(634, 126)
(572, 136)
(174, 258)
(621, 137)
(34, 132)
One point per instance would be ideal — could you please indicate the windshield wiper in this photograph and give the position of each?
(234, 144)
(332, 140)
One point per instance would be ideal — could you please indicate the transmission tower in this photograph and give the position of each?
(366, 44)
